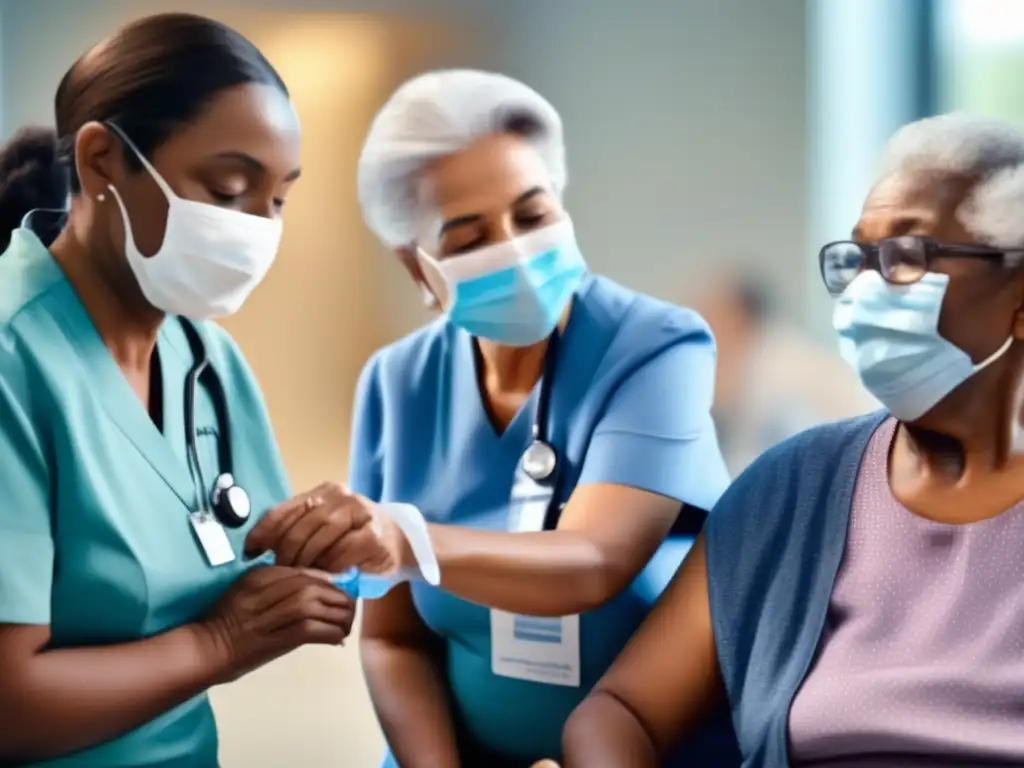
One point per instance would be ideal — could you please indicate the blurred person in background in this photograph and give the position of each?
(772, 381)
(122, 600)
(856, 593)
(551, 425)
(31, 181)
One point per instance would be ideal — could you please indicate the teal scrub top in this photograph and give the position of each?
(630, 405)
(94, 532)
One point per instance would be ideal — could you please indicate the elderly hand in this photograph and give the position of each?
(330, 529)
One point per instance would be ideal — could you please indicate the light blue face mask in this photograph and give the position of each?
(514, 292)
(889, 334)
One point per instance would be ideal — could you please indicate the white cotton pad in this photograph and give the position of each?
(411, 522)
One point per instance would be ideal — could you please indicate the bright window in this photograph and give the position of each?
(980, 53)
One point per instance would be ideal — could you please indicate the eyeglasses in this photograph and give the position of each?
(900, 260)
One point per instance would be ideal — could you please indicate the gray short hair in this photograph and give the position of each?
(437, 114)
(988, 150)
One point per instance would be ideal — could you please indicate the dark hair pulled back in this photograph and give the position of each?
(150, 78)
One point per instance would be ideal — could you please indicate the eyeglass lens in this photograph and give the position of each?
(841, 263)
(901, 260)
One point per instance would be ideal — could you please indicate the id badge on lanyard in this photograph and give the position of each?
(212, 538)
(538, 649)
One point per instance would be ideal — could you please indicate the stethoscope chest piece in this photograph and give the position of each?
(231, 503)
(539, 461)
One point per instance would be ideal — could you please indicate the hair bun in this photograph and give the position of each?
(30, 177)
(32, 145)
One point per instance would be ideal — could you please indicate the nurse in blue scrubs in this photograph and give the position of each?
(123, 593)
(551, 425)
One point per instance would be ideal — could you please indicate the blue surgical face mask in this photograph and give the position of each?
(513, 292)
(889, 334)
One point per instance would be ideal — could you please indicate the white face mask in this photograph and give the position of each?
(211, 258)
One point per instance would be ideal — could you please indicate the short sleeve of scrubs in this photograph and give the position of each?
(26, 543)
(365, 453)
(656, 433)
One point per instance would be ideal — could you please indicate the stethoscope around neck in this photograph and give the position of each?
(538, 468)
(534, 500)
(226, 500)
(540, 460)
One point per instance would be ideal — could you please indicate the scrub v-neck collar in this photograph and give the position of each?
(110, 387)
(468, 397)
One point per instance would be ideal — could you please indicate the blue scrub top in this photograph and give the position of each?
(94, 533)
(630, 406)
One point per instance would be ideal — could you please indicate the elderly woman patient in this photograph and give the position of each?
(857, 593)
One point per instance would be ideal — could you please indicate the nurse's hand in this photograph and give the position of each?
(331, 529)
(271, 611)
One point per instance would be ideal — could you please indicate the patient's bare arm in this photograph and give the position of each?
(662, 686)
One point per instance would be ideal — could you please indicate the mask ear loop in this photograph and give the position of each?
(995, 355)
(164, 186)
(430, 298)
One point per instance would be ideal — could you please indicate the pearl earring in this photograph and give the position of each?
(101, 197)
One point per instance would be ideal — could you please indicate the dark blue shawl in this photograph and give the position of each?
(774, 543)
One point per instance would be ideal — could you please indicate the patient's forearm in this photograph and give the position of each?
(409, 695)
(603, 733)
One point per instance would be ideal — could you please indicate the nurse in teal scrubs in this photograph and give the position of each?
(463, 175)
(122, 599)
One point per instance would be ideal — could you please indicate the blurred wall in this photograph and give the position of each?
(855, 103)
(686, 130)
